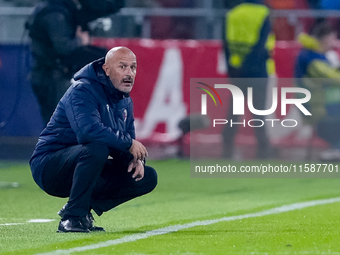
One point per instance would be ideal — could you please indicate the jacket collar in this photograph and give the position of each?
(113, 94)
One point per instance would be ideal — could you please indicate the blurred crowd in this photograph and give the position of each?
(241, 49)
(165, 27)
(276, 4)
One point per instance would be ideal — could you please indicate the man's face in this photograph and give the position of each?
(121, 68)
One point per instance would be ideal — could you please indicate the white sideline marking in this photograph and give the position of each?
(11, 224)
(175, 228)
(9, 185)
(29, 221)
(39, 221)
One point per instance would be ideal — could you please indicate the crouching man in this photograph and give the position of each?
(88, 150)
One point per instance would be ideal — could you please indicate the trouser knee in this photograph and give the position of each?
(95, 153)
(151, 178)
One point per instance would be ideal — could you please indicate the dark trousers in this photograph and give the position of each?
(91, 181)
(259, 86)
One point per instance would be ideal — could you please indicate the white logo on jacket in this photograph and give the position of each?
(124, 115)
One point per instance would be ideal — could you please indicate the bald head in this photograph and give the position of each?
(117, 51)
(120, 66)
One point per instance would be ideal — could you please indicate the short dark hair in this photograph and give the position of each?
(322, 29)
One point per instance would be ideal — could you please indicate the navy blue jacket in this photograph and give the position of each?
(91, 111)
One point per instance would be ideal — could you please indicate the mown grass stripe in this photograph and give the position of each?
(175, 228)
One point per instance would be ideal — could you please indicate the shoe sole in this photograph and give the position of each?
(97, 230)
(59, 231)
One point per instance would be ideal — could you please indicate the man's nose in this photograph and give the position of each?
(129, 71)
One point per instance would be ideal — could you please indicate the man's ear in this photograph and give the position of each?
(106, 69)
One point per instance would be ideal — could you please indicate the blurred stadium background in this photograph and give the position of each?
(174, 40)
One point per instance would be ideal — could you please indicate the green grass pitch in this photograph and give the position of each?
(179, 199)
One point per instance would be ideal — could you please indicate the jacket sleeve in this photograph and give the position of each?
(85, 120)
(321, 69)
